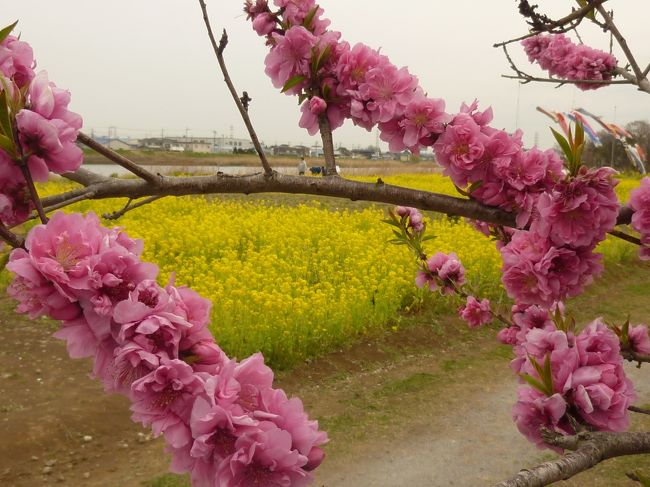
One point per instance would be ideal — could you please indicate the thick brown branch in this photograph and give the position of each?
(328, 144)
(118, 159)
(243, 110)
(98, 187)
(279, 183)
(589, 450)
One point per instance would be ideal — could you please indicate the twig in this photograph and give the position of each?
(641, 79)
(10, 237)
(24, 168)
(243, 111)
(635, 409)
(632, 356)
(32, 191)
(128, 207)
(578, 14)
(609, 21)
(119, 159)
(526, 78)
(646, 70)
(589, 449)
(626, 237)
(328, 144)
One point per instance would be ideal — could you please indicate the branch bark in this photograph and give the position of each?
(10, 237)
(99, 187)
(280, 183)
(640, 79)
(328, 144)
(578, 14)
(118, 159)
(589, 449)
(130, 206)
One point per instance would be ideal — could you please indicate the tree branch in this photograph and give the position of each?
(576, 15)
(328, 144)
(589, 449)
(635, 409)
(10, 237)
(632, 356)
(280, 183)
(626, 237)
(243, 111)
(526, 78)
(99, 187)
(118, 159)
(130, 206)
(640, 79)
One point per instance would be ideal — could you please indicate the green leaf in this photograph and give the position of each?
(4, 33)
(318, 61)
(427, 237)
(538, 368)
(7, 144)
(564, 144)
(5, 120)
(475, 186)
(592, 13)
(461, 191)
(4, 258)
(534, 383)
(391, 222)
(580, 135)
(397, 242)
(548, 374)
(293, 81)
(625, 333)
(309, 18)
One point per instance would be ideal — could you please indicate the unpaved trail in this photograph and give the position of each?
(427, 406)
(473, 443)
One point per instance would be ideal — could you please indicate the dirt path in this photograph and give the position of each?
(427, 406)
(473, 443)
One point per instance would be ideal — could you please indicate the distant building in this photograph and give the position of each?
(290, 150)
(121, 144)
(196, 144)
(229, 144)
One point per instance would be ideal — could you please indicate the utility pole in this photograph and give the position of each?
(611, 160)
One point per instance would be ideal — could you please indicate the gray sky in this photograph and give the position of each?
(146, 65)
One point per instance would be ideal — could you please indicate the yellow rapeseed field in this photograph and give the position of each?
(296, 281)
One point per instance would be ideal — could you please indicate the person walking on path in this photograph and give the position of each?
(302, 166)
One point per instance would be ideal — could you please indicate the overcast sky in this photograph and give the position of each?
(146, 65)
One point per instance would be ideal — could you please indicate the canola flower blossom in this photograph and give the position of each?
(291, 281)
